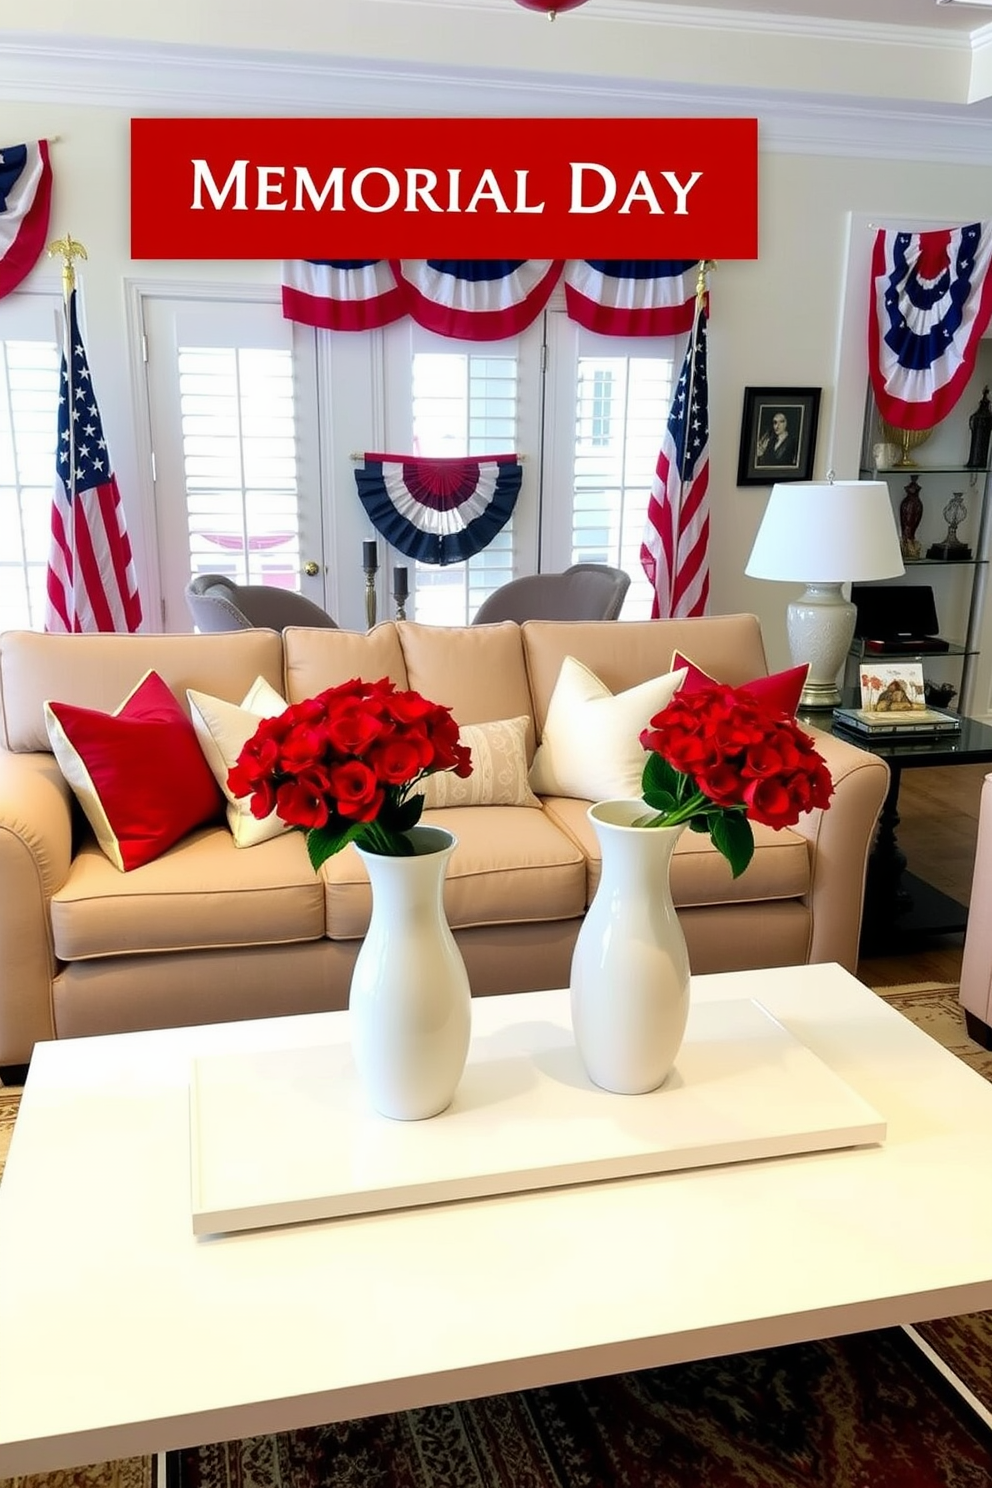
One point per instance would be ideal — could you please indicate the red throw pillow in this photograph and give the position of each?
(782, 690)
(138, 773)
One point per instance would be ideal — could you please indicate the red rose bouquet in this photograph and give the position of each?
(343, 766)
(719, 760)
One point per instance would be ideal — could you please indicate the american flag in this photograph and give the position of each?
(674, 552)
(91, 580)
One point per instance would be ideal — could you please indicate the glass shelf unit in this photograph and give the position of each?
(958, 584)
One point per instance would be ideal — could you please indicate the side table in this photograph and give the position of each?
(900, 907)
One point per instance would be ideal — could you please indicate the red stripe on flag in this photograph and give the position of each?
(674, 550)
(90, 583)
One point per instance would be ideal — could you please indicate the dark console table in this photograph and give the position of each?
(900, 907)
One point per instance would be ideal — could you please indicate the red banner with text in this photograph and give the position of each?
(452, 188)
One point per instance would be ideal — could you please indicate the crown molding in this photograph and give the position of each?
(150, 79)
(715, 18)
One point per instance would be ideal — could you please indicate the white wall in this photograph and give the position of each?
(775, 321)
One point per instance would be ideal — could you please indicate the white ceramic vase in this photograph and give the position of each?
(630, 969)
(410, 1003)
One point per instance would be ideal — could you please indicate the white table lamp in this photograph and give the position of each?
(824, 534)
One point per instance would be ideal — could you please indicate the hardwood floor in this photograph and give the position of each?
(938, 828)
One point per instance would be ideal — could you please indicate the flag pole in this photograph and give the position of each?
(69, 249)
(705, 264)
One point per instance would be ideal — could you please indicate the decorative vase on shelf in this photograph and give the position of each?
(951, 548)
(629, 982)
(410, 1003)
(980, 425)
(910, 516)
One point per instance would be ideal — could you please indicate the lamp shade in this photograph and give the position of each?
(827, 532)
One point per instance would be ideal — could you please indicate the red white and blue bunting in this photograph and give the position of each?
(25, 207)
(476, 299)
(341, 294)
(442, 510)
(931, 302)
(631, 297)
(492, 299)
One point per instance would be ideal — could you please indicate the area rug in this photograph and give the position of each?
(862, 1412)
(869, 1411)
(964, 1343)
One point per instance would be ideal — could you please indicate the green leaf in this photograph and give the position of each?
(732, 836)
(660, 778)
(324, 842)
(662, 801)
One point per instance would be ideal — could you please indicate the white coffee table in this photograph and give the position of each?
(132, 1335)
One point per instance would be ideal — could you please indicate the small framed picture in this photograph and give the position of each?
(778, 435)
(893, 689)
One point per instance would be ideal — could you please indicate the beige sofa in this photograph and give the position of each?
(976, 959)
(211, 932)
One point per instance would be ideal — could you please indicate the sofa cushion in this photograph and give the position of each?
(499, 768)
(779, 690)
(201, 894)
(510, 865)
(96, 671)
(138, 773)
(475, 670)
(780, 868)
(590, 746)
(317, 659)
(223, 730)
(621, 655)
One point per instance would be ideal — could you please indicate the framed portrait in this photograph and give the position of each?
(778, 435)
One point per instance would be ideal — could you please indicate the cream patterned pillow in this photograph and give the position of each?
(223, 729)
(590, 748)
(499, 768)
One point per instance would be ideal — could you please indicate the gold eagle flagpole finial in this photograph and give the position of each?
(69, 250)
(705, 264)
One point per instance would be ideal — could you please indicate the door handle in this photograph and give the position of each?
(311, 569)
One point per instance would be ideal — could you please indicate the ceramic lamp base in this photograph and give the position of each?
(820, 627)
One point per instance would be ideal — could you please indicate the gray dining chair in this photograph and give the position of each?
(586, 591)
(217, 603)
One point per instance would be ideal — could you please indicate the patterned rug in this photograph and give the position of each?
(849, 1413)
(867, 1411)
(964, 1343)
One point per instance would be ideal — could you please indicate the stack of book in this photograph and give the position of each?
(916, 721)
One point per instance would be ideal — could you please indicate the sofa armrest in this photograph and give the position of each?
(840, 840)
(976, 958)
(35, 854)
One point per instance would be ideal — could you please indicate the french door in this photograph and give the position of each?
(256, 426)
(236, 466)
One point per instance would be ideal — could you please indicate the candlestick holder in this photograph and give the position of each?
(370, 563)
(401, 591)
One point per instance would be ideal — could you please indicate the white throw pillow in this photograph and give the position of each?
(499, 768)
(223, 730)
(591, 747)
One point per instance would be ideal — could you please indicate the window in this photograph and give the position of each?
(610, 402)
(239, 461)
(602, 397)
(29, 392)
(615, 458)
(236, 479)
(464, 403)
